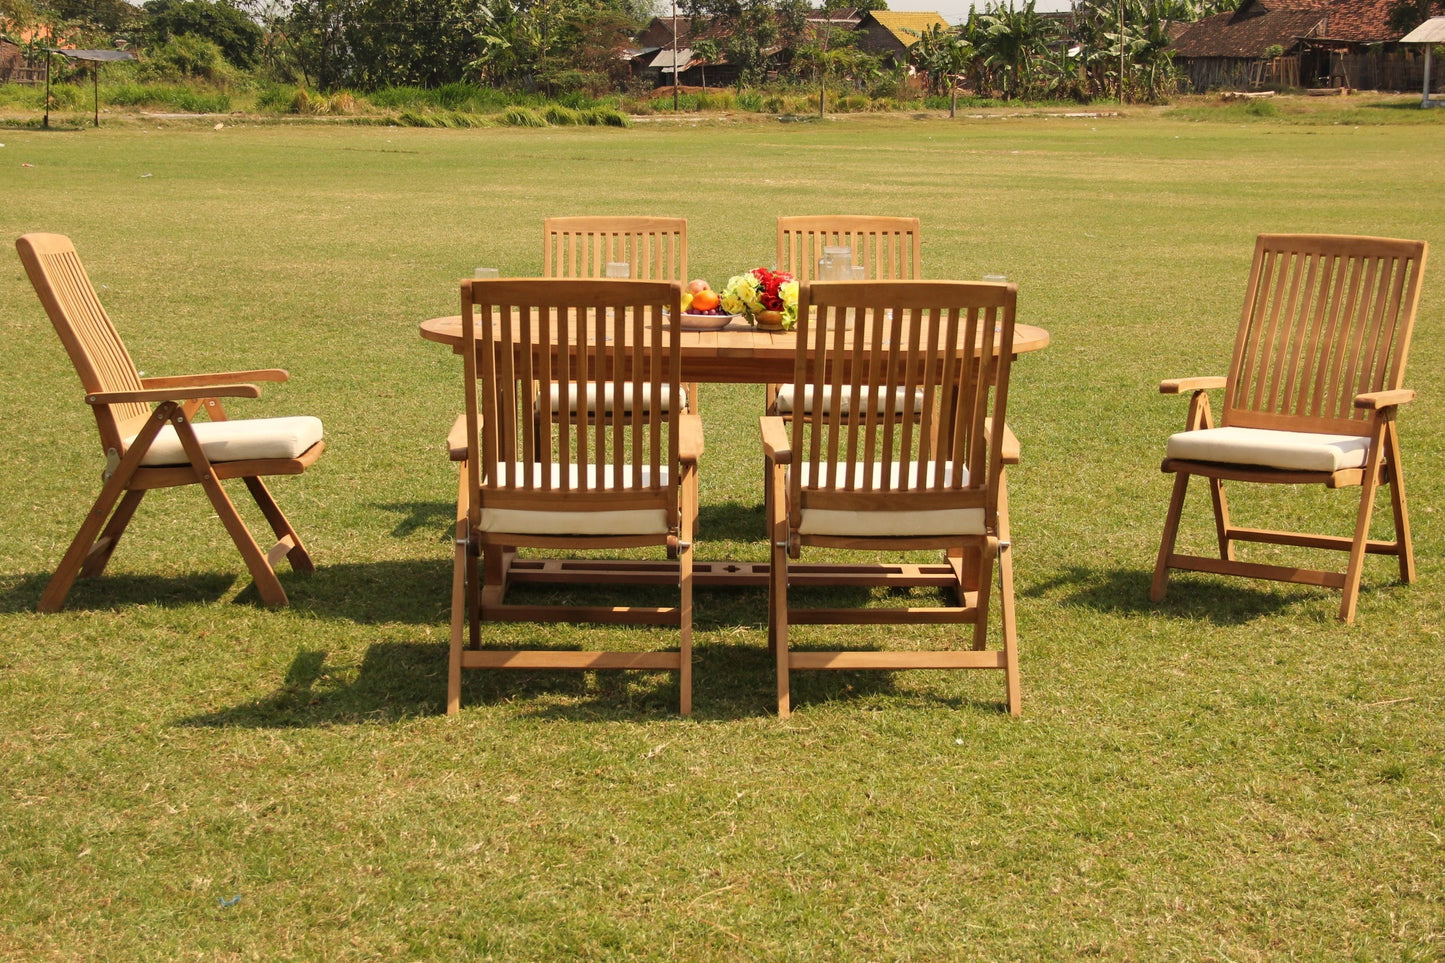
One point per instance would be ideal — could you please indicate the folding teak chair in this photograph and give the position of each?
(565, 481)
(1310, 399)
(920, 467)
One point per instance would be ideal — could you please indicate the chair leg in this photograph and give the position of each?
(684, 565)
(1171, 533)
(1012, 686)
(778, 625)
(985, 556)
(99, 556)
(1350, 591)
(85, 540)
(1396, 481)
(460, 604)
(297, 555)
(1221, 519)
(267, 585)
(70, 565)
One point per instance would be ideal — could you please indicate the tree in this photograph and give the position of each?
(941, 53)
(237, 35)
(1406, 15)
(708, 52)
(109, 17)
(749, 31)
(1009, 40)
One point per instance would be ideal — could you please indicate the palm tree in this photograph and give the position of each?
(1009, 40)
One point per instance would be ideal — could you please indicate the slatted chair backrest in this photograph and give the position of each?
(654, 248)
(518, 333)
(937, 354)
(94, 346)
(887, 247)
(1325, 318)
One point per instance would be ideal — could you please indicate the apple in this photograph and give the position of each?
(697, 285)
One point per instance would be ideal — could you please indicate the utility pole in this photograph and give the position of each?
(1121, 53)
(675, 70)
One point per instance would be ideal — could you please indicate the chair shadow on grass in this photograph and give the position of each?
(22, 593)
(1191, 597)
(733, 679)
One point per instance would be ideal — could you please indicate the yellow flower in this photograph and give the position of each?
(789, 293)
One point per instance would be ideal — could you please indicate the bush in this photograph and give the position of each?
(276, 99)
(559, 116)
(187, 58)
(750, 100)
(523, 117)
(606, 117)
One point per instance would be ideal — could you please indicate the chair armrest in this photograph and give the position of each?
(1010, 453)
(1375, 400)
(776, 443)
(689, 438)
(172, 394)
(216, 378)
(1175, 386)
(457, 439)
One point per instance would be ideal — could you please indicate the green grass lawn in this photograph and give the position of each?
(1229, 775)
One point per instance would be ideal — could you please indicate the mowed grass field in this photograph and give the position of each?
(1229, 775)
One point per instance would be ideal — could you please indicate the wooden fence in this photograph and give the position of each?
(1398, 68)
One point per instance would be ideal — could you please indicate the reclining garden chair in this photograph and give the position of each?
(565, 481)
(162, 447)
(921, 469)
(1310, 399)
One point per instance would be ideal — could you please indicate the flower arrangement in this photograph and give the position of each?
(762, 289)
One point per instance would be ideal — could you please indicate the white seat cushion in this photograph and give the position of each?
(1268, 448)
(943, 521)
(641, 521)
(554, 397)
(240, 440)
(865, 395)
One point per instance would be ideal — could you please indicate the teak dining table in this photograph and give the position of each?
(735, 354)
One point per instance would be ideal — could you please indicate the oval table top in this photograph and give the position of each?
(735, 354)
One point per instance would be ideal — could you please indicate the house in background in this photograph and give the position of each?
(885, 32)
(1335, 44)
(892, 32)
(15, 67)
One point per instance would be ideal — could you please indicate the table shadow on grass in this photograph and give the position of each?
(1191, 597)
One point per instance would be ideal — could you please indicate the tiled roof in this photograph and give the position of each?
(1260, 24)
(900, 22)
(1361, 21)
(1247, 34)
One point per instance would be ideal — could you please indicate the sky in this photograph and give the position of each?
(956, 11)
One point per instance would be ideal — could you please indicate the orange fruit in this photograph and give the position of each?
(704, 300)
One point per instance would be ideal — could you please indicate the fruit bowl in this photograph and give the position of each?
(704, 322)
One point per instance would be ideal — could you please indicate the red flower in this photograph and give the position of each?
(769, 284)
